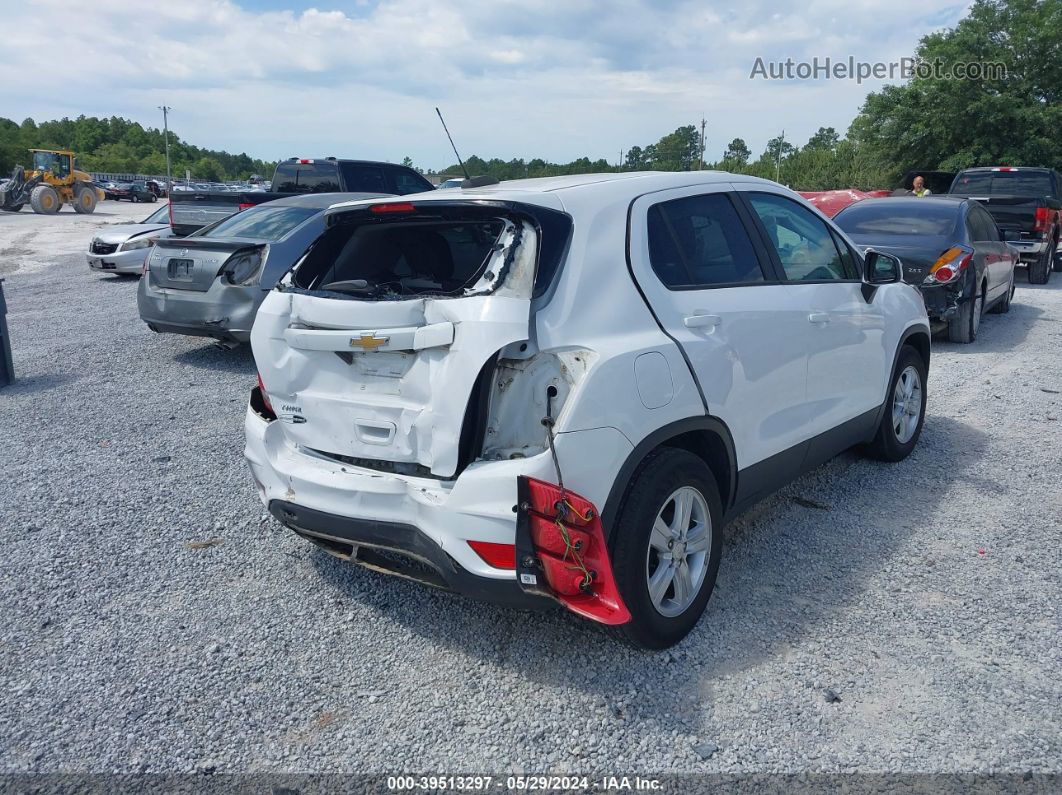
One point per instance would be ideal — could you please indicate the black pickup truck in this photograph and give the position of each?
(192, 210)
(1022, 200)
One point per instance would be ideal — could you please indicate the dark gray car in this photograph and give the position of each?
(211, 283)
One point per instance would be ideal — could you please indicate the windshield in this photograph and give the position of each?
(160, 216)
(883, 219)
(262, 223)
(1003, 183)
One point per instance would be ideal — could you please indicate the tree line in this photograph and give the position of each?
(122, 146)
(933, 122)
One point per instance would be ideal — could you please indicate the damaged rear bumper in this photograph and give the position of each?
(943, 301)
(398, 549)
(424, 518)
(224, 312)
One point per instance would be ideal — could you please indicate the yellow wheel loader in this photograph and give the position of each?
(52, 182)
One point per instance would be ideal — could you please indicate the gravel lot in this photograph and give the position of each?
(872, 617)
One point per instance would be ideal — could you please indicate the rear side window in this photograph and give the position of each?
(805, 246)
(981, 225)
(700, 241)
(321, 176)
(262, 223)
(364, 179)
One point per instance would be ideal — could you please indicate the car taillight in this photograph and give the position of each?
(499, 556)
(397, 208)
(265, 395)
(245, 207)
(1043, 219)
(949, 265)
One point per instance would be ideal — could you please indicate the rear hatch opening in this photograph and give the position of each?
(383, 344)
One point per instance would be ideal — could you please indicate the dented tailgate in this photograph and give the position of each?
(387, 375)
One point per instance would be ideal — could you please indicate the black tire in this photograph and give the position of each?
(1040, 271)
(45, 200)
(887, 444)
(154, 198)
(1003, 306)
(963, 327)
(1057, 258)
(14, 208)
(663, 473)
(135, 199)
(85, 200)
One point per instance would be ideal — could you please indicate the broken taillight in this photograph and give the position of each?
(265, 395)
(561, 552)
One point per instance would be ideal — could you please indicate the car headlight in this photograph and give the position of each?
(140, 242)
(243, 268)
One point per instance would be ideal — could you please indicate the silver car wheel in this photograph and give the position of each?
(906, 404)
(679, 546)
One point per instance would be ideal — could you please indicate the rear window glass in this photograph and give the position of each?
(317, 177)
(394, 260)
(263, 223)
(873, 217)
(1003, 183)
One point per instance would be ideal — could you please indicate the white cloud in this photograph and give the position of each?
(515, 78)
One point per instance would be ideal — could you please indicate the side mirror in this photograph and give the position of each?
(881, 268)
(1010, 235)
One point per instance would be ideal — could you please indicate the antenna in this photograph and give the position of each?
(459, 160)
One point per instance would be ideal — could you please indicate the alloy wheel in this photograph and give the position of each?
(906, 404)
(679, 546)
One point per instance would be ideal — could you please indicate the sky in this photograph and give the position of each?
(514, 78)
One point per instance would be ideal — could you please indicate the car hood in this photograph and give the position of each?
(123, 232)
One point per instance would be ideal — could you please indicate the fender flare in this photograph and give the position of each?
(654, 440)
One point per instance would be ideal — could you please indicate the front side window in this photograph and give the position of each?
(408, 183)
(803, 242)
(700, 241)
(262, 223)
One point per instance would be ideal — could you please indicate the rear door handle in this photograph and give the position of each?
(819, 317)
(698, 320)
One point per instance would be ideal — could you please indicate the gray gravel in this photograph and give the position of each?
(871, 617)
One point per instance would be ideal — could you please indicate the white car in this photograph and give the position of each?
(124, 248)
(562, 389)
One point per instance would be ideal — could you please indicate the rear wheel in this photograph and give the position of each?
(1057, 257)
(963, 327)
(905, 409)
(136, 199)
(45, 200)
(1040, 271)
(85, 200)
(14, 208)
(668, 541)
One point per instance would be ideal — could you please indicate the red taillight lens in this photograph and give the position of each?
(265, 395)
(950, 264)
(1043, 219)
(245, 207)
(500, 556)
(944, 274)
(392, 209)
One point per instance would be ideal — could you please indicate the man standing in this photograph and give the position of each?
(920, 188)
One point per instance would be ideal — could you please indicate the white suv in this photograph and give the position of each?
(562, 389)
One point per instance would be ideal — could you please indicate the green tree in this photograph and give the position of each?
(777, 149)
(209, 169)
(941, 121)
(677, 151)
(825, 138)
(738, 152)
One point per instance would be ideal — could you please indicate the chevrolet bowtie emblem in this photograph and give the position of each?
(367, 342)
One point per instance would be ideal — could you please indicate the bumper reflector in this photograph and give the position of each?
(561, 552)
(500, 556)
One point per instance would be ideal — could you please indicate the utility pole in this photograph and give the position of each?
(700, 167)
(621, 160)
(778, 157)
(166, 132)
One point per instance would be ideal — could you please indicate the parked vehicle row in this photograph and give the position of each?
(459, 387)
(194, 210)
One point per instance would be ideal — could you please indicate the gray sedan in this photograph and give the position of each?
(211, 283)
(123, 249)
